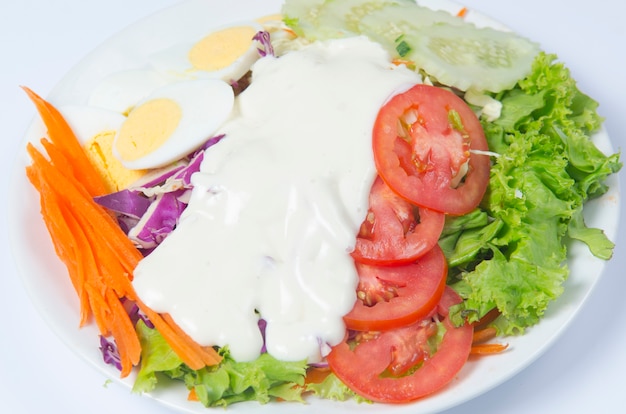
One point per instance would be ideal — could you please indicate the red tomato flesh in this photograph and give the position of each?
(394, 230)
(371, 366)
(392, 296)
(423, 141)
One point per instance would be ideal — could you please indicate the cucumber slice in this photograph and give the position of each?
(465, 56)
(341, 18)
(301, 16)
(389, 24)
(447, 48)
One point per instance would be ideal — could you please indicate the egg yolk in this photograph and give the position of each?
(147, 127)
(270, 18)
(100, 152)
(220, 49)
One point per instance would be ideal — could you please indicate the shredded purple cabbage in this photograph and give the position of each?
(160, 219)
(126, 223)
(263, 37)
(136, 315)
(184, 175)
(149, 210)
(208, 144)
(160, 175)
(110, 354)
(262, 326)
(130, 203)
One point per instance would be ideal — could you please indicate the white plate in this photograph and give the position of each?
(49, 288)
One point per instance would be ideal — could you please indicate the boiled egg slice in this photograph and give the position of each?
(226, 53)
(120, 91)
(172, 122)
(96, 128)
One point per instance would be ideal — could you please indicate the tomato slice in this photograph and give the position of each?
(394, 230)
(396, 366)
(392, 296)
(423, 141)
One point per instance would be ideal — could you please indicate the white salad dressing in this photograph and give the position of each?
(276, 206)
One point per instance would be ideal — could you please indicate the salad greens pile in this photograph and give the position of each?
(509, 254)
(229, 382)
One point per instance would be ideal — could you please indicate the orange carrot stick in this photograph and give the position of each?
(484, 335)
(74, 196)
(66, 246)
(488, 349)
(123, 330)
(192, 396)
(208, 355)
(63, 137)
(315, 375)
(178, 345)
(99, 256)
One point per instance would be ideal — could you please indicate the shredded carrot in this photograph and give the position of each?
(487, 319)
(67, 250)
(484, 335)
(290, 32)
(99, 257)
(315, 375)
(123, 331)
(488, 349)
(462, 13)
(405, 62)
(64, 138)
(182, 348)
(208, 355)
(192, 396)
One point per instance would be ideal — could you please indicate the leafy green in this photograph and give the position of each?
(333, 389)
(546, 169)
(156, 356)
(229, 382)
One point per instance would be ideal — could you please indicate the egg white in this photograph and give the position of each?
(120, 91)
(173, 62)
(204, 103)
(88, 121)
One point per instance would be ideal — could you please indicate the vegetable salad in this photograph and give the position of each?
(489, 245)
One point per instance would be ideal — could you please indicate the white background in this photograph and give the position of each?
(41, 40)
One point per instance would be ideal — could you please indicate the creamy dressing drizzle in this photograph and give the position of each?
(276, 207)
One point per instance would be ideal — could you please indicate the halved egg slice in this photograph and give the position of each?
(172, 122)
(96, 128)
(227, 53)
(120, 91)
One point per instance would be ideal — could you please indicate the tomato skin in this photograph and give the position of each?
(391, 234)
(360, 369)
(417, 287)
(420, 163)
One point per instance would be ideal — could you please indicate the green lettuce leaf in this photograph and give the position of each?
(260, 380)
(156, 356)
(546, 169)
(333, 389)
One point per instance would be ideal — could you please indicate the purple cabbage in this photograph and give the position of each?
(110, 354)
(208, 144)
(159, 175)
(263, 37)
(184, 175)
(151, 208)
(136, 314)
(159, 220)
(262, 326)
(130, 203)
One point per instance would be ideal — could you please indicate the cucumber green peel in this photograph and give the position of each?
(450, 50)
